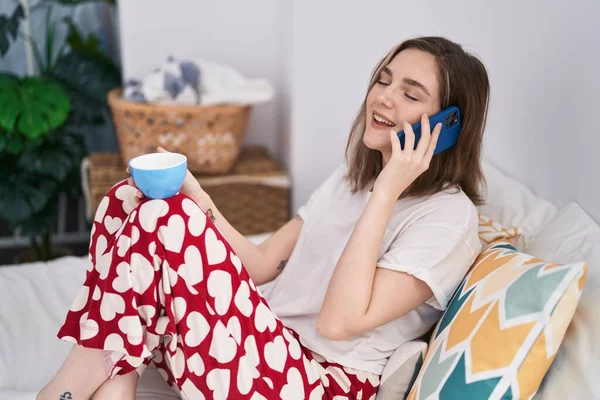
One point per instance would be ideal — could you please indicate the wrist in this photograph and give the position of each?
(203, 200)
(384, 197)
(390, 192)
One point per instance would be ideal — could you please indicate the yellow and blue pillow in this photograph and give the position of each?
(504, 325)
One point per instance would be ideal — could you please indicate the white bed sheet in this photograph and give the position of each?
(34, 299)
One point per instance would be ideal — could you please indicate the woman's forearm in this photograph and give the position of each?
(252, 256)
(350, 288)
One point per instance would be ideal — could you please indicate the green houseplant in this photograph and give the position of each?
(42, 117)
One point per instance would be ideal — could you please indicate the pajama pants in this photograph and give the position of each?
(164, 286)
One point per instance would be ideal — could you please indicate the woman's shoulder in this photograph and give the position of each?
(335, 178)
(451, 209)
(328, 187)
(340, 171)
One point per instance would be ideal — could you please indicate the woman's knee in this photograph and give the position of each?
(80, 375)
(112, 192)
(121, 193)
(176, 204)
(119, 387)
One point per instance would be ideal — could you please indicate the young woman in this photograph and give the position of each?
(368, 264)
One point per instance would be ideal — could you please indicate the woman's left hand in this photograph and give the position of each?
(406, 165)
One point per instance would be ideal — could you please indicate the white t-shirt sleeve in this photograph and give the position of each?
(318, 195)
(304, 210)
(437, 255)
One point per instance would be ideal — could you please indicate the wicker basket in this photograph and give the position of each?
(254, 196)
(210, 136)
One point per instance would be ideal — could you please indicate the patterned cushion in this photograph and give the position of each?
(401, 370)
(504, 325)
(491, 231)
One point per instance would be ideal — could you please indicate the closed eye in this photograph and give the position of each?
(410, 97)
(383, 83)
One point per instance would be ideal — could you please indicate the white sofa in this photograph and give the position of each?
(34, 298)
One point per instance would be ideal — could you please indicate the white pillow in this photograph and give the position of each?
(508, 202)
(401, 370)
(512, 204)
(573, 237)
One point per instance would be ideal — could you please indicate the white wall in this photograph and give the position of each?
(542, 58)
(242, 34)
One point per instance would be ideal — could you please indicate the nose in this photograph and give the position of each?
(385, 97)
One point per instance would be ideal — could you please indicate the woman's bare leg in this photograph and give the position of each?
(86, 370)
(79, 377)
(120, 387)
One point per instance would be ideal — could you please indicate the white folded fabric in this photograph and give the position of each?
(197, 82)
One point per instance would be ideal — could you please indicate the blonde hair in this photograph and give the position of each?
(463, 82)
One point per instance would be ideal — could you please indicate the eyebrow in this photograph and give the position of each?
(409, 81)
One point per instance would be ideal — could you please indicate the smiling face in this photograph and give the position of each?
(406, 88)
(417, 76)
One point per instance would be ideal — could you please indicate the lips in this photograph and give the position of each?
(380, 121)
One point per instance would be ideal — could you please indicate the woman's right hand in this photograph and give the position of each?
(190, 187)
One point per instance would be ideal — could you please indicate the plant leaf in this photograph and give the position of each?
(86, 111)
(13, 24)
(87, 75)
(50, 33)
(85, 107)
(47, 161)
(91, 46)
(24, 196)
(9, 98)
(4, 42)
(56, 158)
(40, 223)
(14, 207)
(9, 26)
(72, 184)
(35, 106)
(16, 144)
(30, 182)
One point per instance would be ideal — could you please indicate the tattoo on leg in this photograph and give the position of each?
(66, 396)
(281, 265)
(210, 214)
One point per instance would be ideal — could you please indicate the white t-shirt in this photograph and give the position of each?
(434, 239)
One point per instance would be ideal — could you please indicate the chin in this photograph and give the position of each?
(374, 140)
